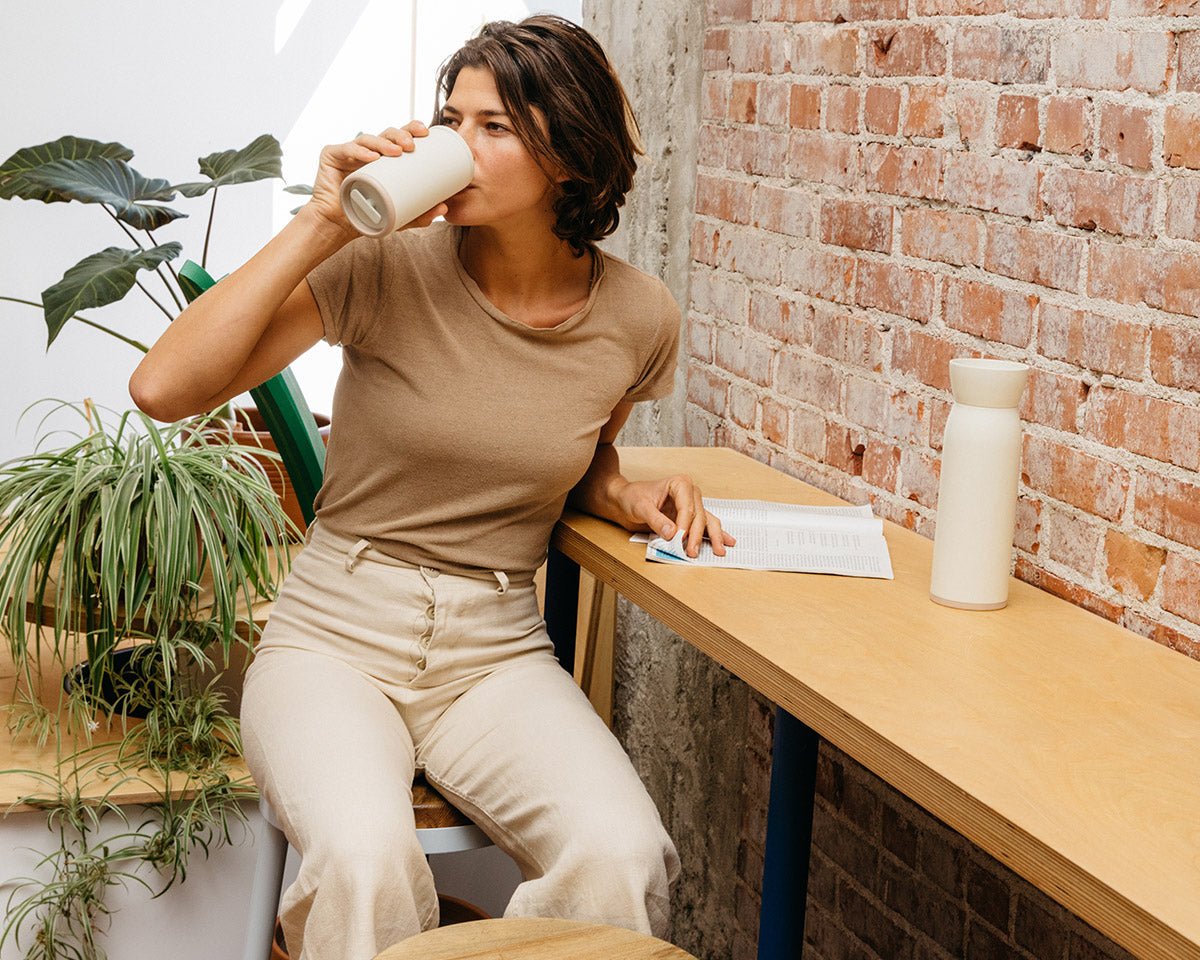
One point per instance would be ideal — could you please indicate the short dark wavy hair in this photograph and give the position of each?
(554, 65)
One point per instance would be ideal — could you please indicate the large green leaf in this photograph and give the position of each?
(100, 279)
(15, 183)
(104, 180)
(258, 160)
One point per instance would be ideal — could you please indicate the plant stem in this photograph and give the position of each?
(208, 231)
(155, 301)
(158, 270)
(118, 222)
(136, 344)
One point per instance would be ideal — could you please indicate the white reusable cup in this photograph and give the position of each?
(389, 192)
(977, 494)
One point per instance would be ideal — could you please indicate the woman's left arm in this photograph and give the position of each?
(655, 505)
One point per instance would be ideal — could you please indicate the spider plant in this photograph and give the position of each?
(134, 542)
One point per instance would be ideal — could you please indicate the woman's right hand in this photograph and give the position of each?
(340, 160)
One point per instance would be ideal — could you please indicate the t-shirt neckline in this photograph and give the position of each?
(455, 237)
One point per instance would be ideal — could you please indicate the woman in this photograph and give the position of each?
(489, 362)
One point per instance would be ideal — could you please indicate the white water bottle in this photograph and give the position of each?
(387, 193)
(977, 494)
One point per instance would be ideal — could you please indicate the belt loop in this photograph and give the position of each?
(502, 578)
(352, 554)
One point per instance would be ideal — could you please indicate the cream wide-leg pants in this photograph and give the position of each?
(371, 668)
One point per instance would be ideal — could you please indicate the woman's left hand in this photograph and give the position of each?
(663, 505)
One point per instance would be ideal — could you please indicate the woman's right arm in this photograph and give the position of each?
(260, 318)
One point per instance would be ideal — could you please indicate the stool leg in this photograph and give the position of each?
(789, 839)
(264, 893)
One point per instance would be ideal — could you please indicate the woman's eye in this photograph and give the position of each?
(448, 122)
(497, 127)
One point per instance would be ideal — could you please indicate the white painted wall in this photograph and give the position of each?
(174, 82)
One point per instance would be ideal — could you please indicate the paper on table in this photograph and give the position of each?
(847, 541)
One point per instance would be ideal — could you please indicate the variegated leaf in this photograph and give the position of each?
(104, 180)
(15, 183)
(258, 160)
(100, 279)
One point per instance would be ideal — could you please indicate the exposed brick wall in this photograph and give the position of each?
(886, 184)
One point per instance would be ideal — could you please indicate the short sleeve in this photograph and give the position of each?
(347, 290)
(658, 374)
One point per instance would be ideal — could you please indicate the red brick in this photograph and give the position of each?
(723, 198)
(1187, 76)
(802, 378)
(744, 356)
(804, 107)
(1181, 137)
(1126, 135)
(1093, 341)
(1053, 400)
(718, 296)
(755, 49)
(1112, 60)
(1131, 566)
(959, 8)
(1090, 199)
(743, 101)
(1028, 526)
(1064, 473)
(997, 184)
(860, 226)
(1069, 539)
(787, 210)
(1068, 125)
(881, 465)
(1080, 596)
(987, 311)
(972, 107)
(700, 339)
(751, 253)
(1017, 122)
(1168, 507)
(1161, 633)
(820, 273)
(926, 357)
(713, 149)
(743, 405)
(882, 110)
(716, 48)
(774, 420)
(1153, 428)
(825, 52)
(774, 102)
(895, 288)
(808, 432)
(822, 159)
(1000, 54)
(846, 338)
(926, 112)
(844, 448)
(833, 10)
(714, 98)
(782, 320)
(942, 235)
(841, 109)
(707, 389)
(1037, 256)
(919, 477)
(1167, 280)
(1154, 8)
(758, 151)
(1175, 357)
(939, 411)
(1183, 208)
(1181, 587)
(905, 51)
(907, 171)
(706, 238)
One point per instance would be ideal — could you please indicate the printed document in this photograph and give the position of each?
(785, 536)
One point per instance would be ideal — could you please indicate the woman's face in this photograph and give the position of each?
(508, 184)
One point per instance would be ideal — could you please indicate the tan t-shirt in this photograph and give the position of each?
(457, 431)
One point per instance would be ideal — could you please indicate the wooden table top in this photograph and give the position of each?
(1064, 745)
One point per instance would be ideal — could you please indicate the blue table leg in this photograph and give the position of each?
(789, 839)
(562, 606)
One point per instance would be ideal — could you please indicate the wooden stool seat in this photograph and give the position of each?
(432, 810)
(532, 938)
